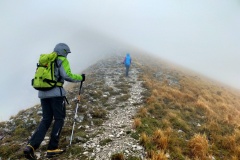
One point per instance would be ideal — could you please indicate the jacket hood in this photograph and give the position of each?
(62, 49)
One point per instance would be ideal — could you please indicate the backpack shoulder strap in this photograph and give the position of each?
(62, 58)
(58, 65)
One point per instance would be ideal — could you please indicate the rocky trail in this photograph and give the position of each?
(120, 118)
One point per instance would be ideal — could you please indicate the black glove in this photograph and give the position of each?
(83, 77)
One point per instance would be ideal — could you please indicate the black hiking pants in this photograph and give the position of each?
(127, 70)
(52, 108)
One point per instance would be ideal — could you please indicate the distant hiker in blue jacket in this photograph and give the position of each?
(127, 62)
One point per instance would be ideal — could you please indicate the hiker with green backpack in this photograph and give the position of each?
(52, 70)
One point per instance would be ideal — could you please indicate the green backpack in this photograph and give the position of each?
(44, 78)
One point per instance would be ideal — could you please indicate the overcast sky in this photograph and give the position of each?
(202, 35)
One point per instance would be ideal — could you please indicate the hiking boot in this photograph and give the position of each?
(29, 152)
(55, 152)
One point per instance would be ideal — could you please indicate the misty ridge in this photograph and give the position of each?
(181, 100)
(202, 35)
(161, 111)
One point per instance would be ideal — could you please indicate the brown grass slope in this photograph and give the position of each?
(184, 117)
(187, 116)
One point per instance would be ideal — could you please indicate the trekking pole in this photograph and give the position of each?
(75, 116)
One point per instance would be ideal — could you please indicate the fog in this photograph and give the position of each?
(200, 35)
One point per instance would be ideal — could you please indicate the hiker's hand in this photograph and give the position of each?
(83, 77)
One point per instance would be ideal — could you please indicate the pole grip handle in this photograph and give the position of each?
(80, 88)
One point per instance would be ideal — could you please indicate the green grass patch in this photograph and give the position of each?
(105, 141)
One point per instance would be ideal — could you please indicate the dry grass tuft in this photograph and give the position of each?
(236, 154)
(198, 146)
(155, 92)
(213, 126)
(156, 155)
(143, 112)
(151, 99)
(229, 142)
(117, 156)
(234, 158)
(160, 140)
(160, 155)
(137, 123)
(144, 139)
(202, 105)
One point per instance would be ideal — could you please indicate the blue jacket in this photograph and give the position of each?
(127, 60)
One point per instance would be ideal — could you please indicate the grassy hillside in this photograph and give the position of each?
(184, 116)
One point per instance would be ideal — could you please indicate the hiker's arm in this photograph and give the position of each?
(66, 73)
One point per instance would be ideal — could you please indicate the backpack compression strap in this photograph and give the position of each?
(53, 83)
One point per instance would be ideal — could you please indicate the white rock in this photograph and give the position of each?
(98, 149)
(180, 131)
(126, 151)
(139, 147)
(37, 154)
(85, 153)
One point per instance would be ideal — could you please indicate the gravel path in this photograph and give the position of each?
(120, 119)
